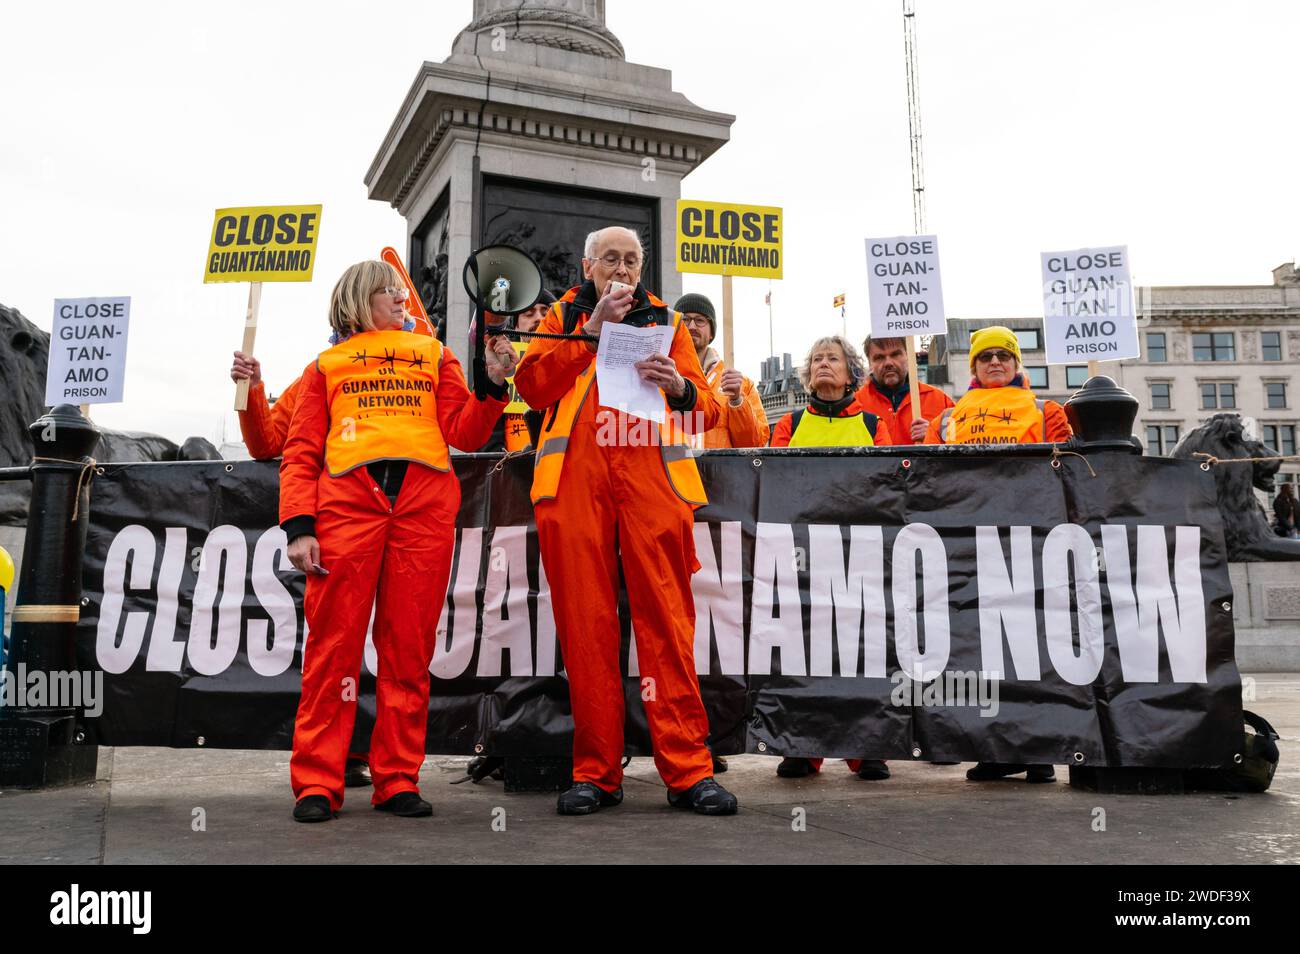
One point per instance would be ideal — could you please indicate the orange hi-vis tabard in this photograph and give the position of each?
(372, 378)
(683, 475)
(1006, 415)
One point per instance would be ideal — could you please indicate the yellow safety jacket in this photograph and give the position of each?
(819, 430)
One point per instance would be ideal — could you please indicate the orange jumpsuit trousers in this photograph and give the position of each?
(616, 502)
(406, 555)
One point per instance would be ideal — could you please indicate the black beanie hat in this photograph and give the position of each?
(700, 306)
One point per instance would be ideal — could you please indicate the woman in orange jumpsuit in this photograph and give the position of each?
(369, 502)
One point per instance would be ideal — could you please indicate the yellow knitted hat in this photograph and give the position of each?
(995, 336)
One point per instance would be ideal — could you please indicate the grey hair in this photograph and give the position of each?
(857, 367)
(589, 247)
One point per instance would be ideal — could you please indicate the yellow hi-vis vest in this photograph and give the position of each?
(1006, 415)
(818, 430)
(382, 388)
(679, 465)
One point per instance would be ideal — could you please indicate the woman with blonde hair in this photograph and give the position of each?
(368, 502)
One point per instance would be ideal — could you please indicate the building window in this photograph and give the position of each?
(1156, 347)
(1274, 394)
(1076, 375)
(1161, 439)
(1037, 377)
(1271, 344)
(1160, 396)
(1222, 395)
(1028, 338)
(1214, 346)
(1280, 438)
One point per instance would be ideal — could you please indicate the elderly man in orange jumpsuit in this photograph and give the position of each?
(603, 493)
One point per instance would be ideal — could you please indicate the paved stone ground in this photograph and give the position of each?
(141, 810)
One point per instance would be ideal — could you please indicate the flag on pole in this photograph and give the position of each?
(839, 301)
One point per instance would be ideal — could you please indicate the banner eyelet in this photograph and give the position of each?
(1237, 758)
(1205, 466)
(758, 462)
(907, 463)
(200, 741)
(230, 468)
(1056, 464)
(916, 751)
(99, 471)
(478, 748)
(1078, 758)
(762, 746)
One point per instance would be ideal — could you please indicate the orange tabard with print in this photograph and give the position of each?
(1006, 415)
(381, 387)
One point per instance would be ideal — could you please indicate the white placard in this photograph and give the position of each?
(1088, 305)
(621, 386)
(87, 351)
(903, 279)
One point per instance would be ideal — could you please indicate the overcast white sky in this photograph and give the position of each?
(1168, 126)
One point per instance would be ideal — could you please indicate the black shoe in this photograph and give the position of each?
(1038, 774)
(406, 805)
(356, 773)
(485, 766)
(584, 798)
(312, 808)
(991, 771)
(795, 768)
(873, 770)
(719, 765)
(705, 797)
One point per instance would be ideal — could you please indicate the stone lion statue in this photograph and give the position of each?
(24, 357)
(1246, 528)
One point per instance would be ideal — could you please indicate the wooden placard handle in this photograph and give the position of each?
(250, 335)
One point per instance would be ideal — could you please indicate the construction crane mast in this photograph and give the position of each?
(918, 159)
(914, 118)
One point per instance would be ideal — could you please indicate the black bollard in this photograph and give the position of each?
(1102, 413)
(38, 738)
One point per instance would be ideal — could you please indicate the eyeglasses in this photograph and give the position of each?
(694, 319)
(1002, 357)
(395, 291)
(612, 259)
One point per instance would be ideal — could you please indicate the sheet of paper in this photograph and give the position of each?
(621, 387)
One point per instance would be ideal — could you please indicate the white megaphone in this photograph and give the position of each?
(501, 280)
(504, 281)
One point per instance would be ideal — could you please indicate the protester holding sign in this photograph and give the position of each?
(611, 489)
(833, 418)
(887, 393)
(369, 503)
(743, 422)
(831, 373)
(999, 408)
(264, 426)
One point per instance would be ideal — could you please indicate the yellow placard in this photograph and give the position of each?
(265, 243)
(517, 405)
(717, 238)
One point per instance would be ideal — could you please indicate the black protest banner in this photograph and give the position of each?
(902, 603)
